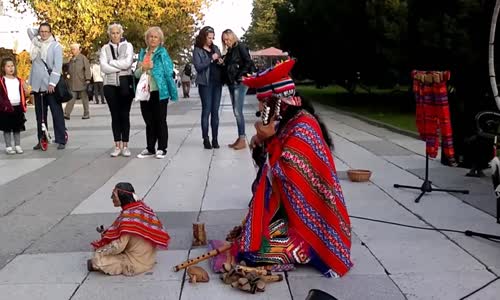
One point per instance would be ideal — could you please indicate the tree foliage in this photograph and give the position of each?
(262, 31)
(385, 39)
(85, 21)
(23, 64)
(306, 27)
(387, 22)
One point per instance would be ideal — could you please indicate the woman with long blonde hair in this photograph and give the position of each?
(238, 63)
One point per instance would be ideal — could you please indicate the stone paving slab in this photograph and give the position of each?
(487, 252)
(229, 217)
(411, 144)
(413, 161)
(23, 188)
(368, 200)
(489, 293)
(75, 232)
(364, 263)
(353, 134)
(142, 172)
(63, 196)
(181, 187)
(180, 238)
(216, 289)
(413, 248)
(5, 258)
(19, 232)
(481, 190)
(158, 290)
(162, 271)
(442, 285)
(445, 211)
(13, 169)
(349, 287)
(382, 148)
(384, 173)
(60, 268)
(38, 291)
(234, 171)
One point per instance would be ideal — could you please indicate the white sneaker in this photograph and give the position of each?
(19, 150)
(161, 154)
(126, 152)
(116, 152)
(145, 154)
(9, 150)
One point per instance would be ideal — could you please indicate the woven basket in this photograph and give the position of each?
(359, 175)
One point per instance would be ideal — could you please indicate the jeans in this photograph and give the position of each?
(119, 107)
(210, 102)
(57, 116)
(154, 113)
(186, 86)
(237, 93)
(99, 91)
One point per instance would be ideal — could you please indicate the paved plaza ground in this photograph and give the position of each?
(51, 203)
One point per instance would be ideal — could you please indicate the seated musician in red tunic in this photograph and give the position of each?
(129, 245)
(297, 214)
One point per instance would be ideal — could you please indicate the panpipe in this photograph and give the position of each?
(429, 77)
(256, 270)
(202, 257)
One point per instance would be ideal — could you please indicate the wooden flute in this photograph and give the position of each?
(202, 257)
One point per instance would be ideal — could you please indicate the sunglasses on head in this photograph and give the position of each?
(210, 29)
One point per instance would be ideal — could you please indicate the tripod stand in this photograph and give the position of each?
(427, 184)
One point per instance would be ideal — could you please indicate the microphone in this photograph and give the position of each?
(258, 114)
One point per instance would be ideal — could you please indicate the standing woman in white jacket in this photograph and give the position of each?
(116, 60)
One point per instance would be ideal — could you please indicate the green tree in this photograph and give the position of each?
(85, 21)
(388, 25)
(306, 27)
(262, 30)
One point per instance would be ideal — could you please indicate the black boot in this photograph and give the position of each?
(90, 267)
(215, 144)
(474, 172)
(206, 144)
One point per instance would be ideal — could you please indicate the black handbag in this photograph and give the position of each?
(126, 85)
(61, 91)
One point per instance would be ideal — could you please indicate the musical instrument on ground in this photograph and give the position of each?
(202, 257)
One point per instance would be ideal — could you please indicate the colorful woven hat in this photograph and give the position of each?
(275, 82)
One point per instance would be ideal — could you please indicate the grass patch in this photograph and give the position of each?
(393, 107)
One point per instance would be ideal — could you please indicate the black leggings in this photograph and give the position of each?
(119, 107)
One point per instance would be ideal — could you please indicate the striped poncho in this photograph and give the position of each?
(137, 219)
(300, 181)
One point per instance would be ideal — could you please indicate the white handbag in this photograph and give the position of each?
(142, 92)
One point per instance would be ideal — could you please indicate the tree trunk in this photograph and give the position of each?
(491, 55)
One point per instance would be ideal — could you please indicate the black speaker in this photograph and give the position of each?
(315, 294)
